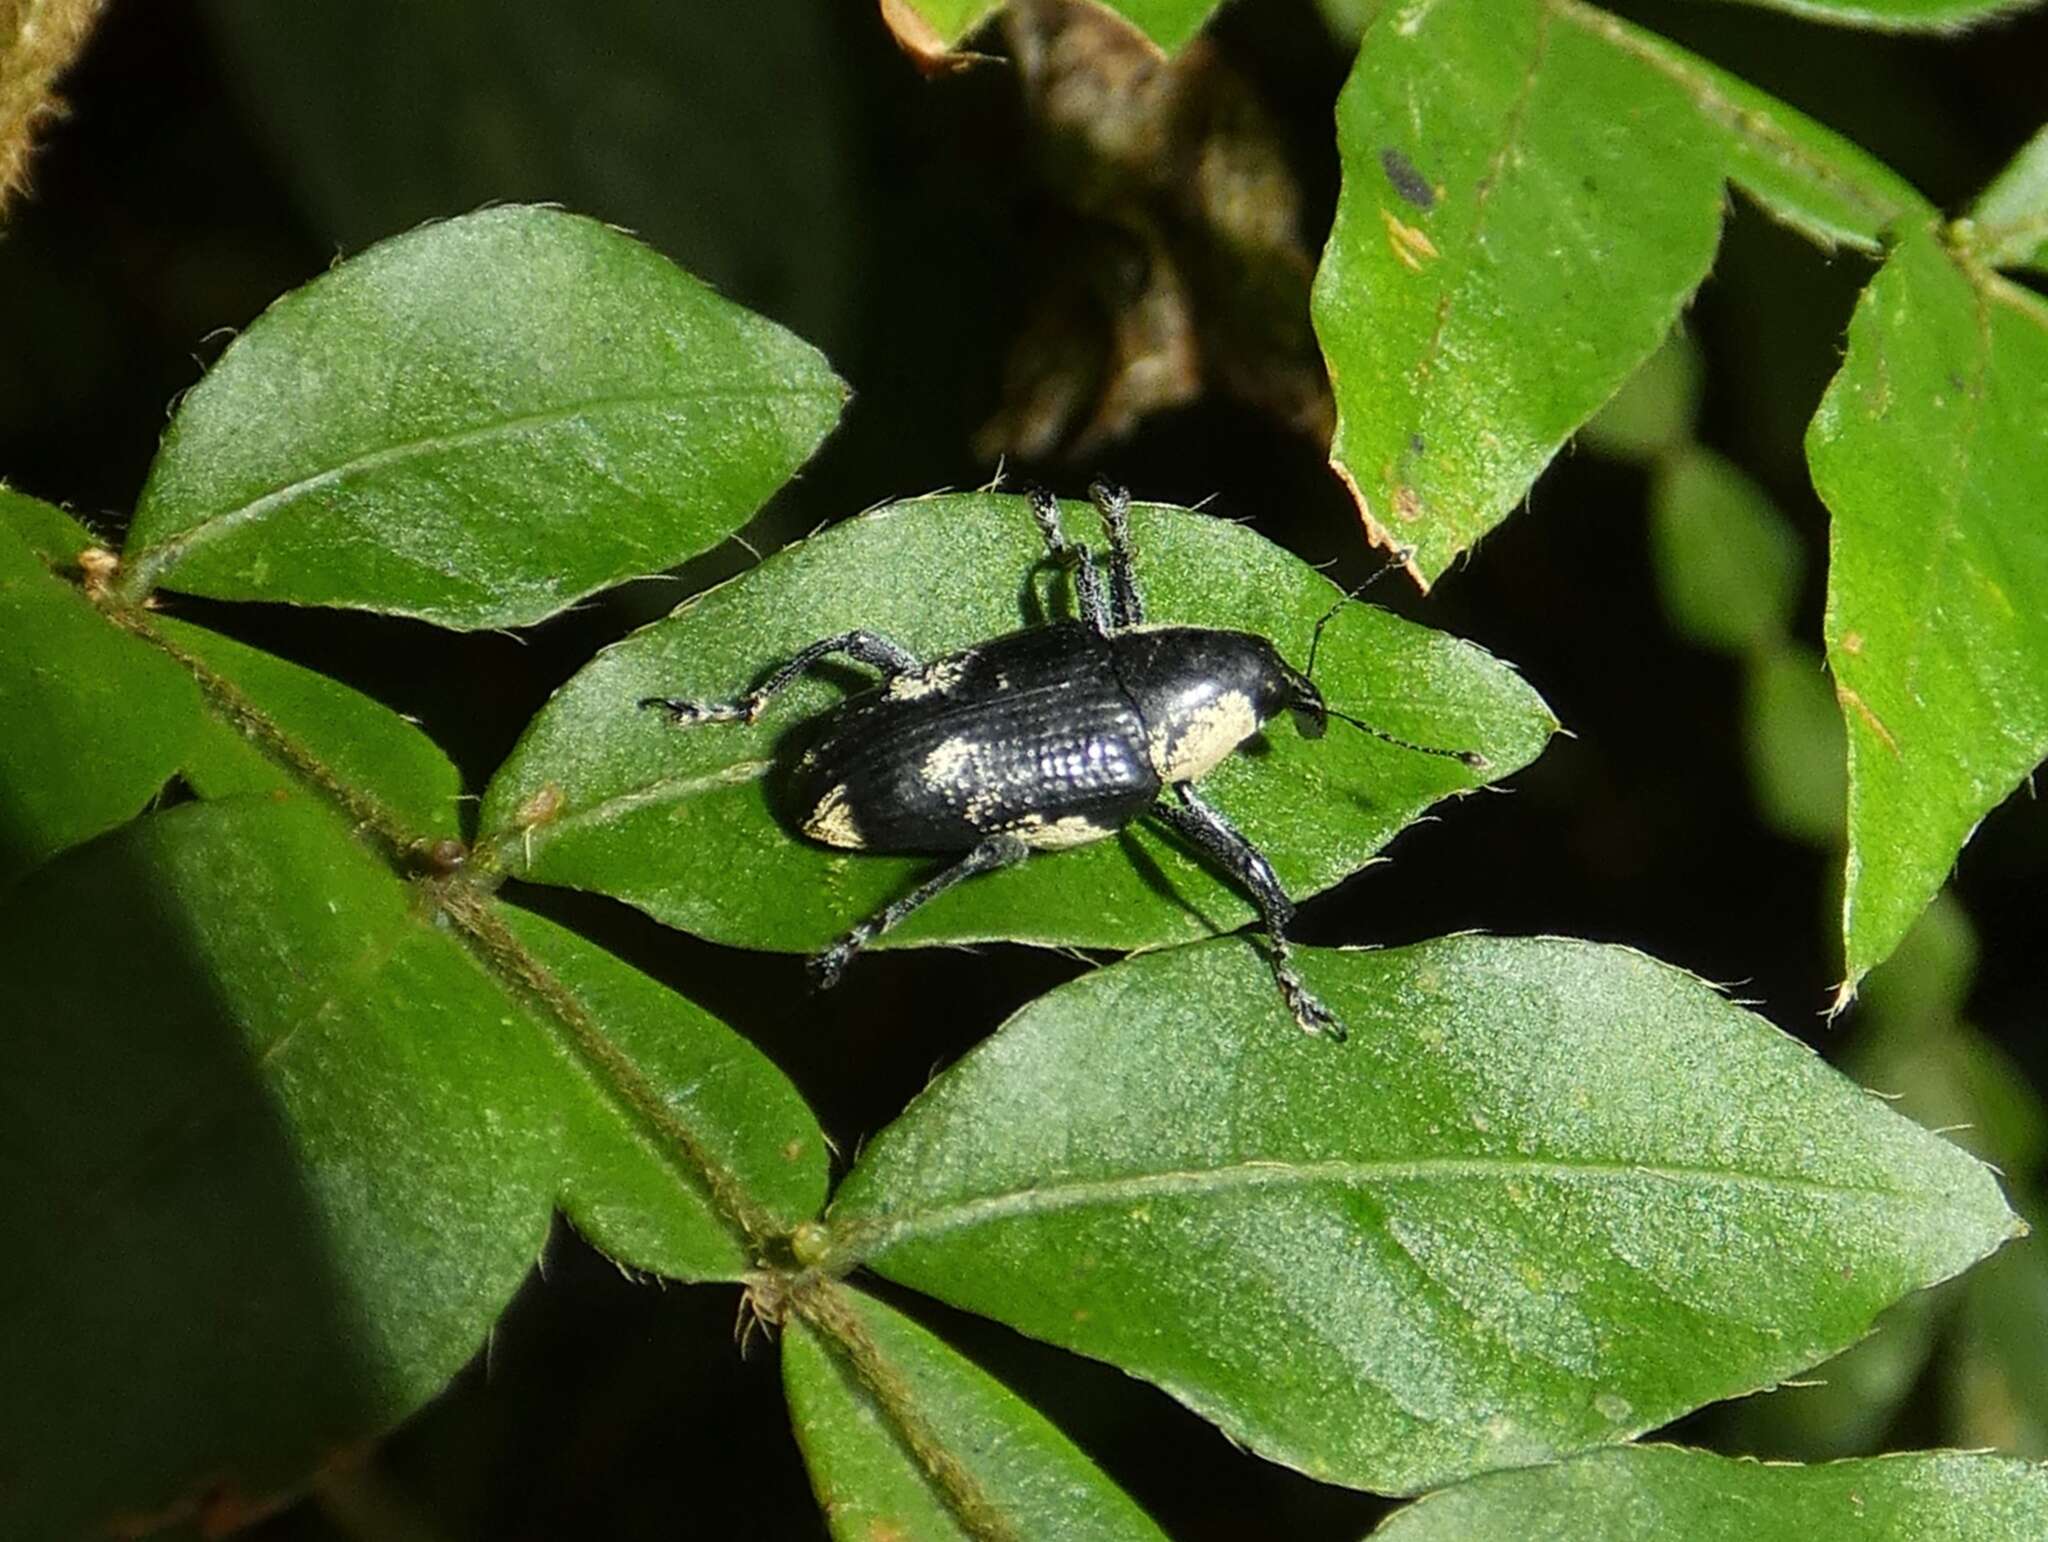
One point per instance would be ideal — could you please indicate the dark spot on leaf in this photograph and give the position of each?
(1408, 182)
(1415, 443)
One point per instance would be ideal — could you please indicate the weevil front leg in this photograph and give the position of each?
(993, 854)
(1113, 503)
(868, 647)
(1094, 607)
(1217, 838)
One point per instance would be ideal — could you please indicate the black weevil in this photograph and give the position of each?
(1050, 737)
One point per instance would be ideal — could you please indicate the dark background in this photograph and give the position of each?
(219, 154)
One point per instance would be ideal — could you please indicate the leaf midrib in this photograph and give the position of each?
(148, 565)
(860, 1239)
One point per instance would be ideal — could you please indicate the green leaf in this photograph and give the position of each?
(1532, 189)
(384, 113)
(1022, 1472)
(1898, 15)
(1653, 413)
(280, 1149)
(93, 721)
(1927, 450)
(477, 423)
(930, 28)
(1792, 739)
(50, 533)
(1996, 1371)
(1728, 564)
(254, 697)
(601, 795)
(1669, 1492)
(1550, 1195)
(2011, 215)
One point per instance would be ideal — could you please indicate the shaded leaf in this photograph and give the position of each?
(276, 1160)
(1792, 739)
(1995, 1375)
(1566, 196)
(93, 721)
(1727, 563)
(1027, 1474)
(362, 744)
(682, 823)
(478, 423)
(1652, 414)
(929, 29)
(653, 116)
(49, 531)
(1670, 1492)
(1928, 450)
(2011, 215)
(1550, 1195)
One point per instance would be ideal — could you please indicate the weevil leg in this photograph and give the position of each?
(868, 647)
(1114, 504)
(998, 851)
(1217, 838)
(1088, 594)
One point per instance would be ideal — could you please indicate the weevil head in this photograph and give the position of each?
(1202, 692)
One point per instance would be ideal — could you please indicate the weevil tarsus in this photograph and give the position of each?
(892, 659)
(992, 855)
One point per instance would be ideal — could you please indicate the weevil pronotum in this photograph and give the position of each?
(1050, 737)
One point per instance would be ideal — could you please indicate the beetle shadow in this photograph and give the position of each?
(1161, 883)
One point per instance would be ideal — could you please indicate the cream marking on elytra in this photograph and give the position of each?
(1042, 834)
(942, 767)
(935, 679)
(832, 822)
(1211, 734)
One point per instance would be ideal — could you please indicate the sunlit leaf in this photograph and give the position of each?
(1929, 451)
(683, 823)
(1551, 1194)
(1664, 1492)
(477, 423)
(1018, 1468)
(280, 1150)
(1898, 15)
(1532, 190)
(93, 721)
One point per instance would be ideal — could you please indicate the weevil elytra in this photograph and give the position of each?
(1049, 737)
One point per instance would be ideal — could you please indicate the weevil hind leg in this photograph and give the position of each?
(1113, 503)
(1088, 595)
(1204, 827)
(992, 855)
(892, 659)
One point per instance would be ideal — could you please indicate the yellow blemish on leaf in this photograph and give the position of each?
(1852, 642)
(1849, 698)
(1411, 246)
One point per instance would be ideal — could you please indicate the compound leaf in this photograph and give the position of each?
(1532, 190)
(1551, 1194)
(684, 824)
(478, 423)
(1017, 1468)
(280, 1152)
(1668, 1491)
(1928, 451)
(93, 721)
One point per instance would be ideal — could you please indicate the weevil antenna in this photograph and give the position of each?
(1315, 641)
(1472, 760)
